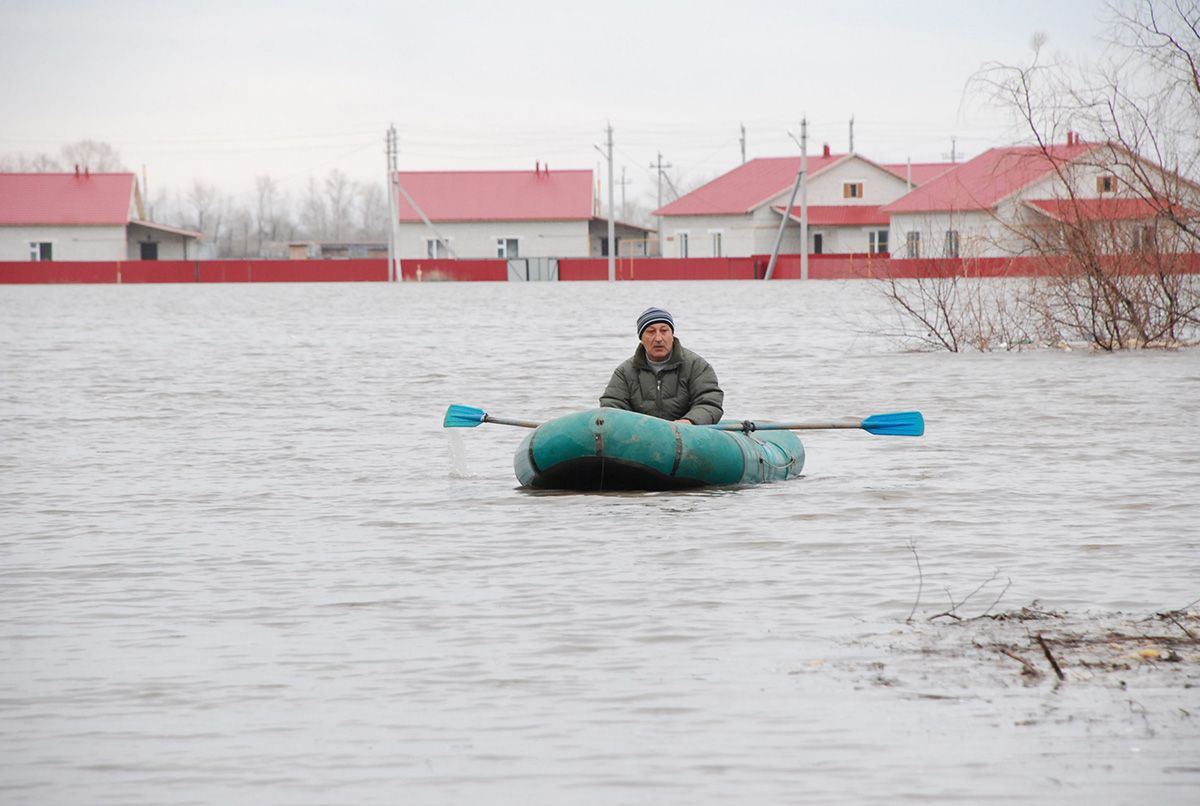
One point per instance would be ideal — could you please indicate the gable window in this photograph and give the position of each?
(878, 241)
(681, 243)
(716, 244)
(912, 244)
(1106, 183)
(507, 248)
(40, 250)
(951, 243)
(852, 190)
(436, 248)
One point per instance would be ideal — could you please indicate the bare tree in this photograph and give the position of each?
(95, 156)
(372, 211)
(339, 195)
(314, 217)
(1117, 268)
(25, 163)
(241, 232)
(266, 211)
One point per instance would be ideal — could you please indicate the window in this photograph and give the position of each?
(149, 250)
(681, 241)
(436, 248)
(951, 243)
(1143, 238)
(818, 243)
(912, 244)
(878, 241)
(40, 250)
(507, 248)
(1106, 183)
(852, 190)
(716, 244)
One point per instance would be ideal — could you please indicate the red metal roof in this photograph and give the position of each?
(65, 198)
(497, 195)
(1109, 209)
(982, 183)
(840, 215)
(746, 187)
(922, 172)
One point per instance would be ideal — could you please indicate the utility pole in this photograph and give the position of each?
(851, 134)
(658, 172)
(953, 148)
(804, 197)
(612, 226)
(743, 141)
(801, 182)
(393, 204)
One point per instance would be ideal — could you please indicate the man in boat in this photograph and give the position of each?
(663, 378)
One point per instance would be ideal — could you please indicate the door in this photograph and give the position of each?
(149, 250)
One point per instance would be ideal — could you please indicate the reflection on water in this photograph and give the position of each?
(243, 562)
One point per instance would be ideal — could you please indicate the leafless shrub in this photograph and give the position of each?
(1116, 269)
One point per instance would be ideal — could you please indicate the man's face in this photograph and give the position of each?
(659, 340)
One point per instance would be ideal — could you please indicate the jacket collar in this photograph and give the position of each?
(673, 360)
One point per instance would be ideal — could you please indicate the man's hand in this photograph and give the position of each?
(685, 420)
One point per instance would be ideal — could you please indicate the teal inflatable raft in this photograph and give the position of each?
(611, 449)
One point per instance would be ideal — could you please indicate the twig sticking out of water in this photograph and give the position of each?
(912, 546)
(1007, 585)
(952, 612)
(1172, 616)
(1029, 669)
(1050, 657)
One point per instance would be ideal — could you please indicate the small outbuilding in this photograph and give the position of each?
(83, 216)
(505, 214)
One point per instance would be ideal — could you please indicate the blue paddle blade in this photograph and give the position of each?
(899, 424)
(463, 417)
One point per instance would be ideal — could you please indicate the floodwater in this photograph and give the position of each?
(241, 561)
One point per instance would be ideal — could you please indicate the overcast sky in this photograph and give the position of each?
(225, 91)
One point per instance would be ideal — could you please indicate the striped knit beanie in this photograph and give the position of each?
(652, 316)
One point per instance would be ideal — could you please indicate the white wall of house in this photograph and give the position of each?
(828, 187)
(844, 240)
(480, 239)
(998, 232)
(980, 233)
(732, 235)
(754, 233)
(67, 242)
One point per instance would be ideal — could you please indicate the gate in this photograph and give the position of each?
(532, 269)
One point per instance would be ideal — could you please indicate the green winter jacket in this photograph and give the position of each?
(686, 388)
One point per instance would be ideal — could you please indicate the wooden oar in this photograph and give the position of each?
(897, 424)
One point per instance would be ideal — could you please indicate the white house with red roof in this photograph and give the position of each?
(1004, 200)
(82, 216)
(738, 214)
(503, 214)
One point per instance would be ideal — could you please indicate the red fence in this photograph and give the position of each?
(445, 269)
(195, 271)
(787, 267)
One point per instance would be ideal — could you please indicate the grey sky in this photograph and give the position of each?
(223, 91)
